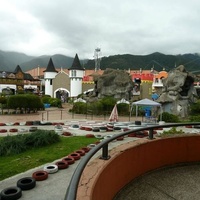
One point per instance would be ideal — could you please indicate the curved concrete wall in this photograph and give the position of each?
(102, 179)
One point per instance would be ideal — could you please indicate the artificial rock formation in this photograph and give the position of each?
(113, 83)
(178, 92)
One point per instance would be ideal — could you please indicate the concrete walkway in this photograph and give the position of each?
(173, 183)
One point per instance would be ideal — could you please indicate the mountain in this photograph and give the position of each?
(42, 61)
(158, 61)
(9, 60)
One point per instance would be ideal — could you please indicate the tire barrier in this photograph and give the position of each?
(36, 122)
(33, 129)
(132, 135)
(103, 129)
(67, 134)
(62, 164)
(117, 128)
(95, 129)
(120, 138)
(51, 169)
(91, 145)
(26, 183)
(40, 175)
(80, 152)
(16, 124)
(89, 135)
(3, 130)
(146, 133)
(138, 123)
(88, 128)
(11, 193)
(2, 124)
(76, 156)
(29, 123)
(86, 149)
(13, 130)
(98, 136)
(189, 126)
(69, 160)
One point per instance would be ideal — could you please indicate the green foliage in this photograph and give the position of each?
(168, 117)
(46, 99)
(41, 138)
(10, 145)
(100, 107)
(173, 130)
(96, 108)
(158, 60)
(108, 103)
(3, 100)
(54, 102)
(123, 108)
(194, 118)
(25, 101)
(195, 108)
(79, 108)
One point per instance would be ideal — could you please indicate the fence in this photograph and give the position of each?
(63, 114)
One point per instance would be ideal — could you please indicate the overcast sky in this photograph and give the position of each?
(139, 27)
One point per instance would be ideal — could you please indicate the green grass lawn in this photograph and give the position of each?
(12, 165)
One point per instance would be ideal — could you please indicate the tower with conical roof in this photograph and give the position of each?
(76, 73)
(49, 75)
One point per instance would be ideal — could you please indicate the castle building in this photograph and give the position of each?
(49, 75)
(18, 81)
(76, 73)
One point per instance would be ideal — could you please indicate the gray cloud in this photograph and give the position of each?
(117, 27)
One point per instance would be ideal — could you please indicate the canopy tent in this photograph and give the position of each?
(123, 101)
(146, 102)
(80, 100)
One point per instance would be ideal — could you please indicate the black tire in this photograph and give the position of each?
(11, 193)
(137, 122)
(26, 183)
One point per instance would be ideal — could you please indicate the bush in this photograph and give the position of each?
(41, 138)
(25, 101)
(172, 131)
(195, 108)
(95, 107)
(108, 103)
(3, 100)
(55, 102)
(168, 117)
(46, 99)
(79, 108)
(10, 145)
(195, 118)
(123, 108)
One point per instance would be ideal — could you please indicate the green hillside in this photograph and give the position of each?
(158, 61)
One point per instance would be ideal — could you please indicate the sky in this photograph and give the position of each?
(138, 27)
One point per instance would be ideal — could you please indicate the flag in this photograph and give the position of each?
(114, 114)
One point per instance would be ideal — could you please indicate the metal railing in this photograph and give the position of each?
(73, 185)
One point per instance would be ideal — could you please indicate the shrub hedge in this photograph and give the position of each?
(168, 117)
(10, 145)
(25, 101)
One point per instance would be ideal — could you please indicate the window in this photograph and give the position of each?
(74, 73)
